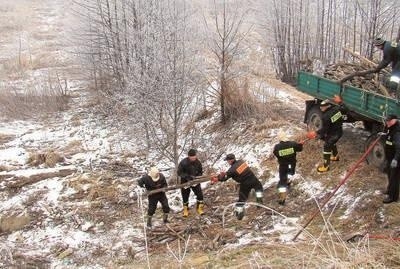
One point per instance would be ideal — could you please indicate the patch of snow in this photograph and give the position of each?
(287, 228)
(311, 187)
(15, 155)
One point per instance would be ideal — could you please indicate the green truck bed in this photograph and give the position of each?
(364, 103)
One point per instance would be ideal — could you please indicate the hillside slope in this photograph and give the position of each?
(67, 181)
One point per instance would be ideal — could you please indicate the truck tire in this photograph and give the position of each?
(377, 155)
(314, 118)
(372, 126)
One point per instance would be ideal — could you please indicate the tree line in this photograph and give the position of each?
(320, 29)
(154, 63)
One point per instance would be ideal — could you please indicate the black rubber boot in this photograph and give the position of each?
(239, 212)
(165, 218)
(335, 155)
(149, 222)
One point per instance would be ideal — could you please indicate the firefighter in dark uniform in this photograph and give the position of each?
(189, 168)
(152, 181)
(392, 152)
(330, 132)
(241, 173)
(391, 54)
(285, 151)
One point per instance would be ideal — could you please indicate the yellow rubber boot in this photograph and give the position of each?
(327, 159)
(323, 169)
(185, 211)
(200, 208)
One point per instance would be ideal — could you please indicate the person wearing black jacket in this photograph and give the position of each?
(241, 173)
(330, 132)
(392, 152)
(285, 151)
(189, 168)
(391, 54)
(152, 181)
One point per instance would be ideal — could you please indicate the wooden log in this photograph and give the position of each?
(380, 87)
(195, 181)
(175, 233)
(363, 59)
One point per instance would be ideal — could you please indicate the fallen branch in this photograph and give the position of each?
(362, 59)
(174, 232)
(195, 181)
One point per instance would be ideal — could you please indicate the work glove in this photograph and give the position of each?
(140, 190)
(382, 134)
(221, 175)
(337, 99)
(311, 134)
(131, 194)
(214, 179)
(393, 164)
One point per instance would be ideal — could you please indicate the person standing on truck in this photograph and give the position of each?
(392, 154)
(330, 132)
(391, 54)
(285, 151)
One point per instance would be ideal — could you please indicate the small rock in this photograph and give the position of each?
(65, 253)
(86, 226)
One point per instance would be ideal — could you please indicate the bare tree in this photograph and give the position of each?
(337, 24)
(226, 33)
(146, 50)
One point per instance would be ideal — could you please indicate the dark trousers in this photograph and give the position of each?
(154, 199)
(394, 183)
(245, 188)
(285, 170)
(330, 144)
(196, 190)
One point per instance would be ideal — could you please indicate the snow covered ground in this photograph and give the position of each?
(81, 213)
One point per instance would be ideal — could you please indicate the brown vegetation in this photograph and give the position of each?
(13, 223)
(50, 159)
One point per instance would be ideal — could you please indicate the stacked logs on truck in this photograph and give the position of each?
(370, 82)
(340, 70)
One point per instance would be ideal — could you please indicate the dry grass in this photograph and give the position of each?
(33, 103)
(239, 102)
(13, 223)
(4, 168)
(76, 121)
(73, 148)
(5, 138)
(50, 158)
(327, 254)
(22, 54)
(36, 159)
(14, 67)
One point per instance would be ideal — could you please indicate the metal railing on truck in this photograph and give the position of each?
(365, 103)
